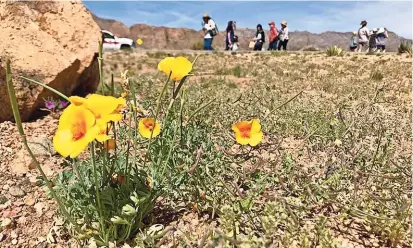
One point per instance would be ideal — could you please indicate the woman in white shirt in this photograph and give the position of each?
(210, 31)
(283, 36)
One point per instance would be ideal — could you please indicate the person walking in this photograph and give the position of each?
(273, 37)
(210, 30)
(381, 39)
(259, 38)
(363, 35)
(372, 40)
(353, 42)
(283, 36)
(229, 37)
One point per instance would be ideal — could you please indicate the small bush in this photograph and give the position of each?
(311, 49)
(237, 71)
(335, 51)
(405, 47)
(198, 46)
(376, 76)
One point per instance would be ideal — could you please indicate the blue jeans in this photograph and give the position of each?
(273, 45)
(208, 44)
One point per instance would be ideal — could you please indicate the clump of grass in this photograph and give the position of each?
(311, 49)
(376, 76)
(237, 71)
(198, 46)
(335, 51)
(156, 55)
(405, 47)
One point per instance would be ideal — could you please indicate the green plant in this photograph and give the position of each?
(198, 46)
(377, 76)
(405, 47)
(237, 71)
(335, 51)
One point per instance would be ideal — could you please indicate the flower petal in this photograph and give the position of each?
(255, 139)
(240, 139)
(62, 142)
(256, 126)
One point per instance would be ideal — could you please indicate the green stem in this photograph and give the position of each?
(47, 87)
(158, 106)
(100, 59)
(95, 175)
(200, 108)
(17, 118)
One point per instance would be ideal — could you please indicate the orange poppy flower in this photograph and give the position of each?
(248, 132)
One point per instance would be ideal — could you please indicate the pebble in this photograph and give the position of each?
(16, 191)
(5, 205)
(6, 187)
(39, 208)
(14, 241)
(2, 237)
(30, 201)
(14, 235)
(18, 203)
(5, 222)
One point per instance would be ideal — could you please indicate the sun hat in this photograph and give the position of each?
(381, 30)
(363, 22)
(375, 29)
(271, 23)
(284, 23)
(205, 15)
(355, 32)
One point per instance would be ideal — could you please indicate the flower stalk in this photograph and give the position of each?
(17, 118)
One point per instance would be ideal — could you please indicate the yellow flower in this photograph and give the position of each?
(139, 41)
(179, 66)
(104, 128)
(106, 108)
(124, 94)
(248, 132)
(145, 127)
(75, 131)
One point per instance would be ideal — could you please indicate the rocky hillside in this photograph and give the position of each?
(184, 38)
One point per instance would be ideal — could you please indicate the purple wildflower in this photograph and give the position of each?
(340, 116)
(63, 104)
(50, 105)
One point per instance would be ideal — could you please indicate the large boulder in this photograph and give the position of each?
(53, 42)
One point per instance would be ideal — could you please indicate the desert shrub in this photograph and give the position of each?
(311, 49)
(156, 55)
(405, 47)
(376, 76)
(198, 46)
(237, 71)
(335, 51)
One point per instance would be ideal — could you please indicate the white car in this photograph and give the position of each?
(111, 42)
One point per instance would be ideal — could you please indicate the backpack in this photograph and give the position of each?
(214, 31)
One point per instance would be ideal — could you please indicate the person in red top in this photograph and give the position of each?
(273, 36)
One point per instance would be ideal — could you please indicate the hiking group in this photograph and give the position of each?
(278, 38)
(374, 40)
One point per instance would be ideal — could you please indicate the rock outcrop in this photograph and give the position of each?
(53, 42)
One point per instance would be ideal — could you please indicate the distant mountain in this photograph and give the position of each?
(184, 38)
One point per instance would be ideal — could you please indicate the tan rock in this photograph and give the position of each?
(60, 41)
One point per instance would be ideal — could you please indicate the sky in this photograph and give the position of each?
(312, 16)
